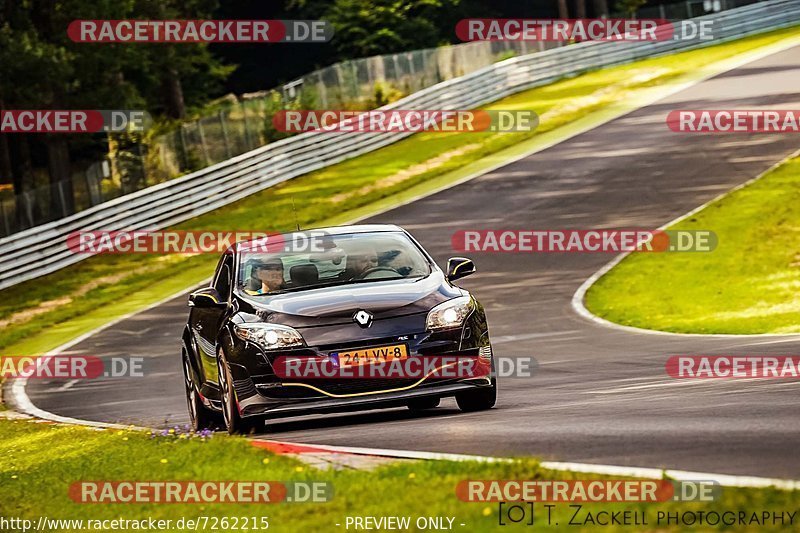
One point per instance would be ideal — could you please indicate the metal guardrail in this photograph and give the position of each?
(43, 249)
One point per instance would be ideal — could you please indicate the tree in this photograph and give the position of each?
(580, 9)
(629, 7)
(373, 27)
(176, 76)
(600, 8)
(563, 10)
(78, 76)
(44, 69)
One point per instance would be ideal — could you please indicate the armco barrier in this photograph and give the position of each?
(43, 249)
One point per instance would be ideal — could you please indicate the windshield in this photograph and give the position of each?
(333, 260)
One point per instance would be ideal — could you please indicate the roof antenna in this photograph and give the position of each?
(294, 210)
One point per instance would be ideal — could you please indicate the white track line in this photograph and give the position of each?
(19, 397)
(585, 468)
(580, 295)
(22, 402)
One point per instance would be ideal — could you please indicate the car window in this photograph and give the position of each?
(222, 281)
(344, 259)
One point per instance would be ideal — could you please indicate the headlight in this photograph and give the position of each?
(269, 336)
(449, 314)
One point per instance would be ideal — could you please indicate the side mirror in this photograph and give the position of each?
(204, 298)
(459, 267)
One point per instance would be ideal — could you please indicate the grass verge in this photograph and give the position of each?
(748, 284)
(41, 314)
(38, 463)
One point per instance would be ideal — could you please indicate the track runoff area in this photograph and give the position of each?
(604, 386)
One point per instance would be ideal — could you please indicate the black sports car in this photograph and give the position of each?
(351, 297)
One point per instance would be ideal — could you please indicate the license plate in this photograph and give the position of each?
(369, 356)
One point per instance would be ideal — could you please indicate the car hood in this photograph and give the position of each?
(332, 305)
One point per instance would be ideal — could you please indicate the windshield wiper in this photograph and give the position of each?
(383, 279)
(332, 284)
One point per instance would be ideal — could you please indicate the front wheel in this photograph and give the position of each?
(234, 422)
(481, 398)
(200, 416)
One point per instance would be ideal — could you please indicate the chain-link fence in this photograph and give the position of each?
(690, 9)
(366, 83)
(238, 125)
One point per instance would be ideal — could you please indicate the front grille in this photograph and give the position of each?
(245, 388)
(344, 386)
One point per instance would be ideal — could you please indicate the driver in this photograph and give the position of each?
(270, 275)
(364, 261)
(359, 260)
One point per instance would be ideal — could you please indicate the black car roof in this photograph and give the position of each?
(344, 230)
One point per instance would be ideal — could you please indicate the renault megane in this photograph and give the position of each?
(348, 296)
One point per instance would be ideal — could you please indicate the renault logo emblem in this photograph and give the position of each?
(363, 318)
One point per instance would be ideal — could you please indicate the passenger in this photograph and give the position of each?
(270, 275)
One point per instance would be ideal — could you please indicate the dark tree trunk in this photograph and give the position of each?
(22, 176)
(6, 173)
(580, 9)
(62, 201)
(173, 94)
(563, 11)
(600, 8)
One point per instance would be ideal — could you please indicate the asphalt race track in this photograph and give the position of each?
(601, 394)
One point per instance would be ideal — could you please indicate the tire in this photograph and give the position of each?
(479, 399)
(422, 404)
(234, 423)
(200, 416)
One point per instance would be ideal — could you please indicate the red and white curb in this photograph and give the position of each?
(355, 457)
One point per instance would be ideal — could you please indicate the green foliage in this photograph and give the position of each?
(747, 285)
(629, 7)
(383, 94)
(141, 279)
(372, 27)
(39, 462)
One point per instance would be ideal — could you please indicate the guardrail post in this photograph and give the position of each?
(184, 153)
(298, 155)
(221, 116)
(248, 140)
(5, 218)
(62, 198)
(203, 142)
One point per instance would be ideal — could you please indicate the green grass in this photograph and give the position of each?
(38, 462)
(748, 284)
(120, 284)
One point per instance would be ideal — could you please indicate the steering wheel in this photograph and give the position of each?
(367, 274)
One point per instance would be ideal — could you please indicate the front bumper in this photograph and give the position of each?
(261, 393)
(261, 406)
